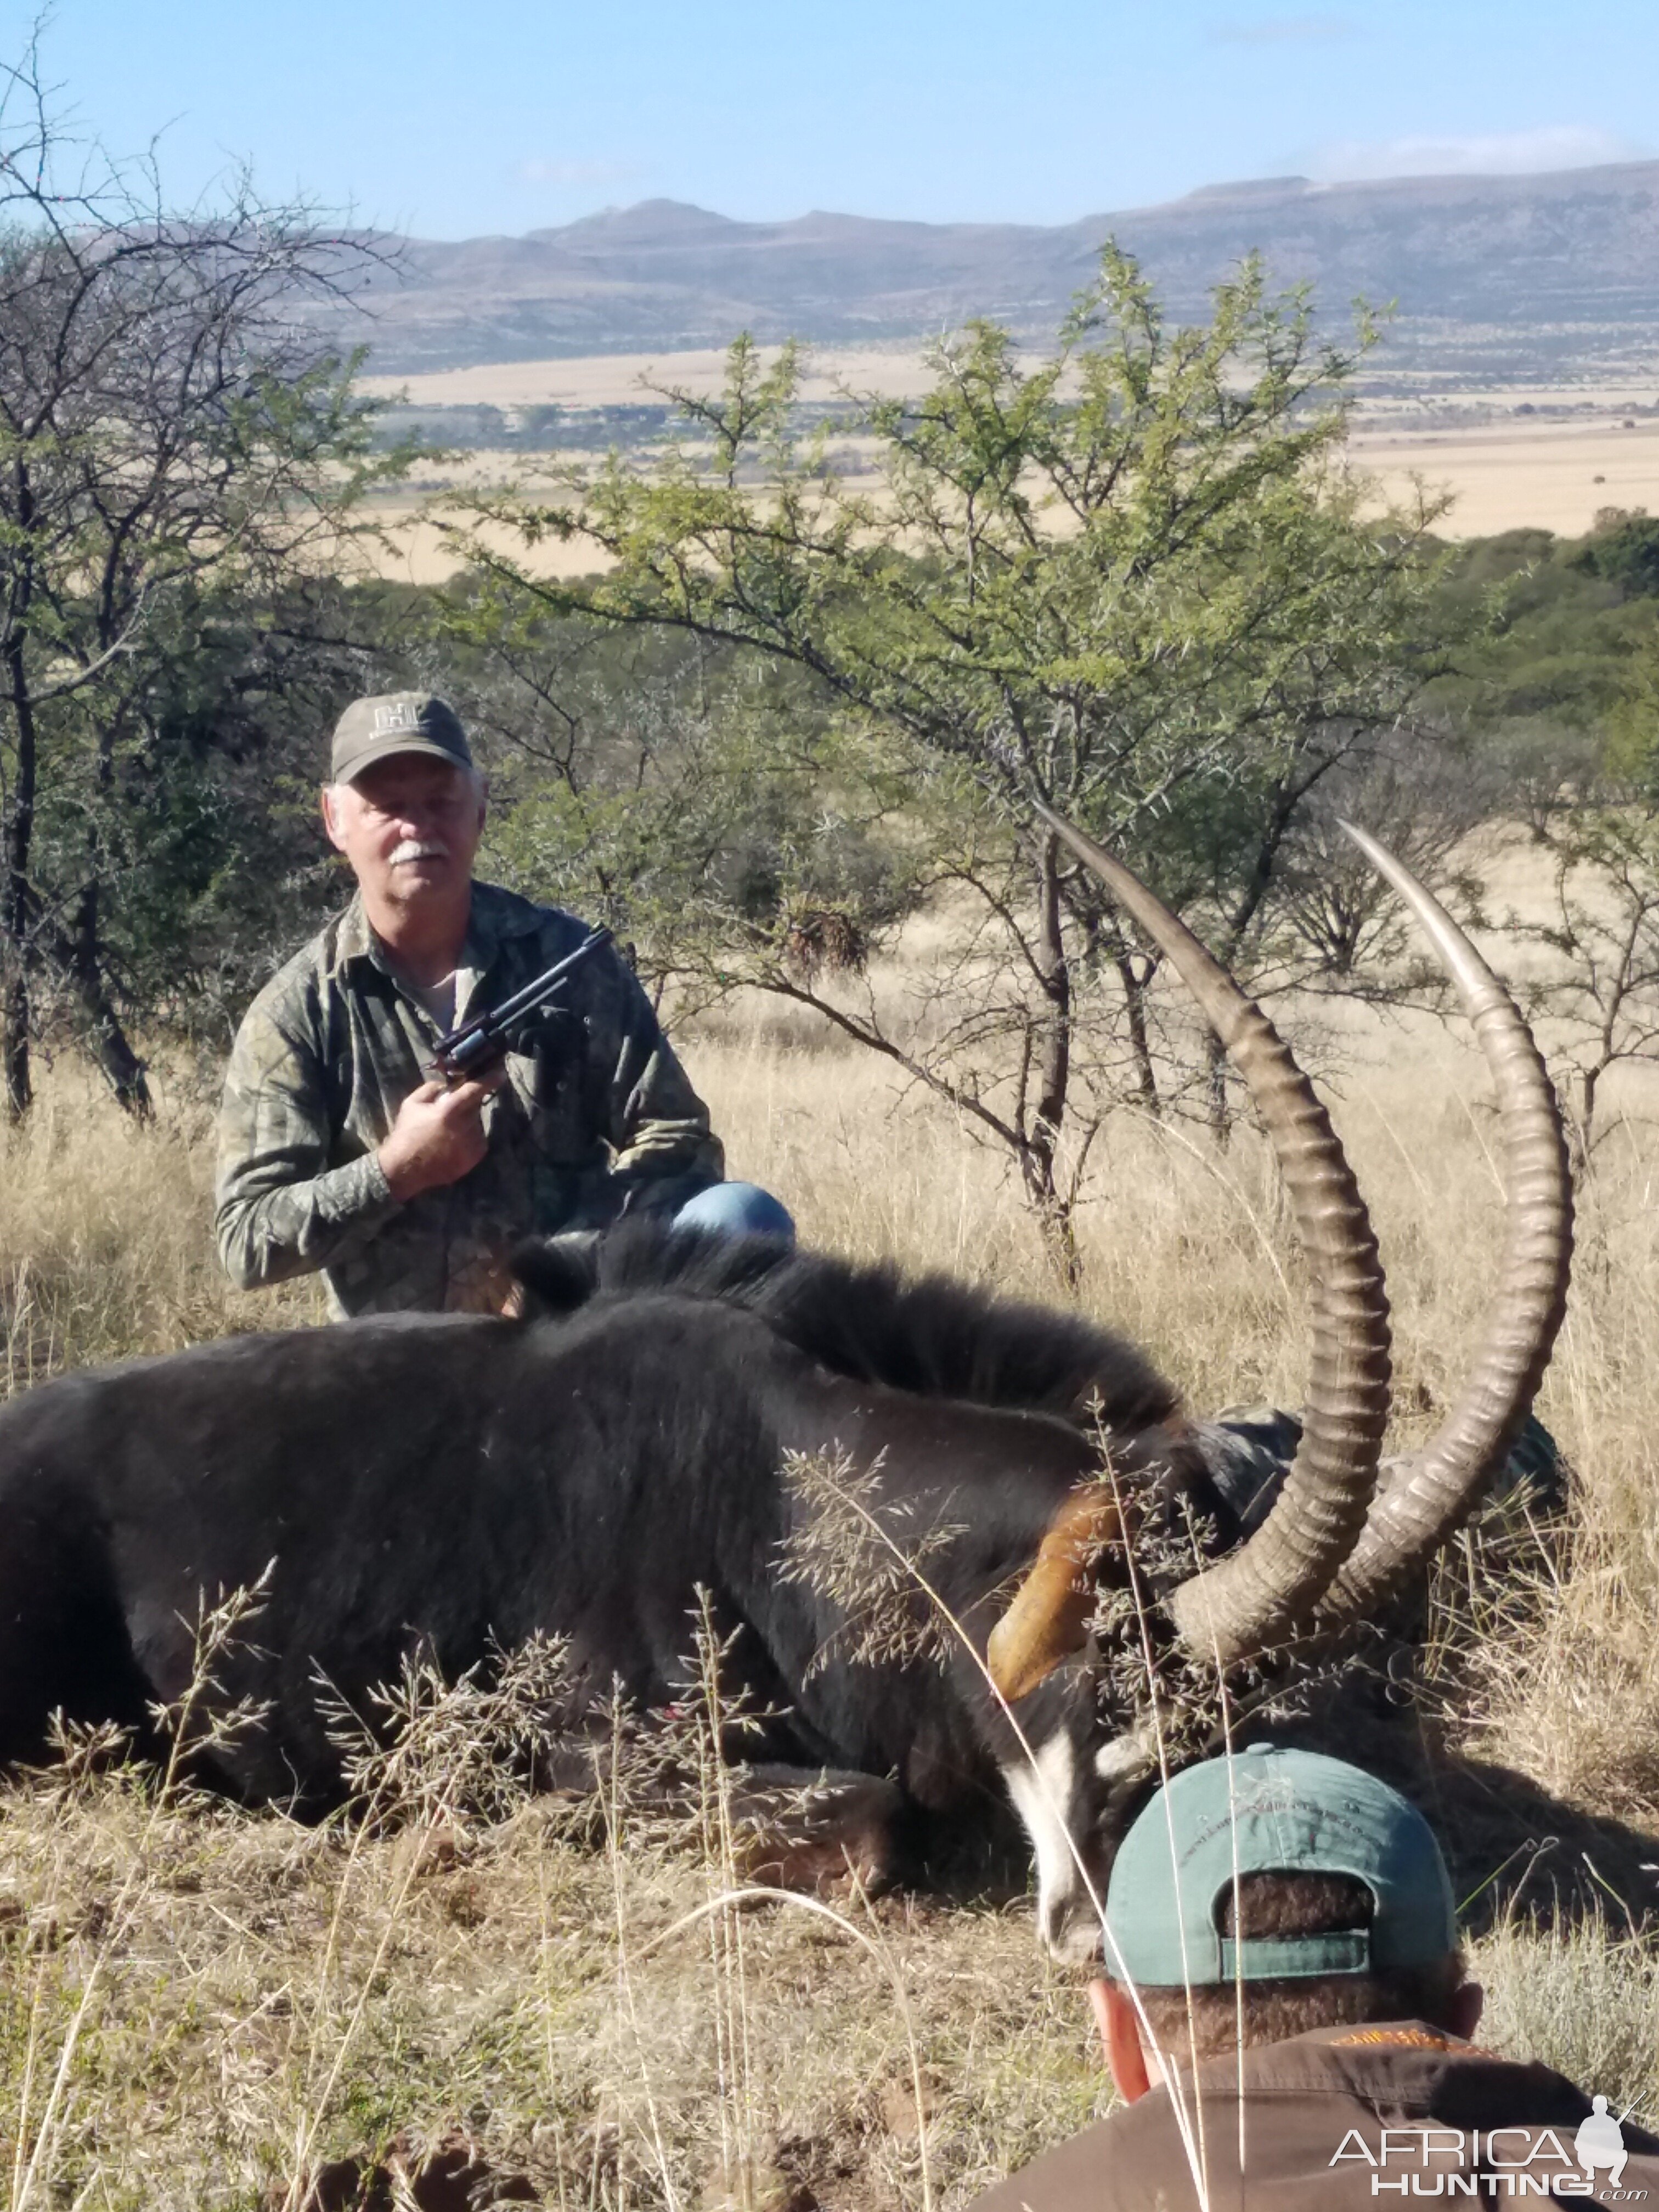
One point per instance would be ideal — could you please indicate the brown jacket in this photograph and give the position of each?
(1343, 2116)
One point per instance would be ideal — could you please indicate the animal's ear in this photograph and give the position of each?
(559, 1273)
(1048, 1617)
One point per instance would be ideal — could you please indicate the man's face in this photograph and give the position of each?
(409, 827)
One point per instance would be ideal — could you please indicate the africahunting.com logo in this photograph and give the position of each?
(1486, 2162)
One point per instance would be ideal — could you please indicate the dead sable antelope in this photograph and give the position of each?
(451, 1485)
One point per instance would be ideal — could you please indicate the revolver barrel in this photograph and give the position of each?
(476, 1045)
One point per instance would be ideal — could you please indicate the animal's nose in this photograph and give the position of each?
(1072, 1931)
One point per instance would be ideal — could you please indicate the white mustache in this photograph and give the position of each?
(418, 848)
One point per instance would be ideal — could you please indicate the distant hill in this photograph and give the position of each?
(1524, 278)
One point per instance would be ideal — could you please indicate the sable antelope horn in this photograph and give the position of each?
(1435, 1488)
(1273, 1584)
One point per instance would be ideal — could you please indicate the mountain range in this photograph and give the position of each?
(1495, 279)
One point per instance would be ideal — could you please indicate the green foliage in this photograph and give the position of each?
(174, 442)
(1101, 577)
(206, 823)
(1624, 550)
(1553, 633)
(1557, 697)
(683, 793)
(1130, 578)
(1555, 684)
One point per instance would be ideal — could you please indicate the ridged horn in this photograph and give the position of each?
(1047, 1619)
(1432, 1491)
(1254, 1599)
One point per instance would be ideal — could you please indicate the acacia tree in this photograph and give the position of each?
(1130, 579)
(208, 840)
(681, 790)
(1600, 985)
(1421, 788)
(167, 423)
(1597, 981)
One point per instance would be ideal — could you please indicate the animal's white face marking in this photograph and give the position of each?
(1041, 1789)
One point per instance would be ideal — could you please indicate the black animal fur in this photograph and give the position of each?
(926, 1334)
(446, 1484)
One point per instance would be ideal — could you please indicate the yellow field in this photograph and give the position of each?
(230, 1997)
(625, 379)
(1550, 476)
(1503, 471)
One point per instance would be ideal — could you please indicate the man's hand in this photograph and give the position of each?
(437, 1137)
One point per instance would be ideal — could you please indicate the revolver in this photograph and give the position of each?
(474, 1047)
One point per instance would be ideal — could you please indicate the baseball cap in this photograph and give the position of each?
(1269, 1810)
(372, 730)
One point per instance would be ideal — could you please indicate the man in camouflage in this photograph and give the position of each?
(339, 1151)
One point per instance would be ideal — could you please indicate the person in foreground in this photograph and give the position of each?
(1288, 2020)
(339, 1147)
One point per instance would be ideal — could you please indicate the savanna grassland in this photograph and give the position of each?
(1510, 457)
(202, 2007)
(770, 675)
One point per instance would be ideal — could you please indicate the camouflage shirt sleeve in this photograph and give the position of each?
(281, 1209)
(657, 1123)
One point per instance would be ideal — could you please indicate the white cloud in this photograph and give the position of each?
(542, 170)
(1498, 153)
(1283, 31)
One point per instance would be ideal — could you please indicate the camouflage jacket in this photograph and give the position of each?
(600, 1116)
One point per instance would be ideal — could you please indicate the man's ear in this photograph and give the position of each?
(332, 817)
(1120, 2036)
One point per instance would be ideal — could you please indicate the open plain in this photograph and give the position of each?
(201, 2005)
(1549, 474)
(1510, 457)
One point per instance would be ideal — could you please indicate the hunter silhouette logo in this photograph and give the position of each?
(1488, 2163)
(1599, 2143)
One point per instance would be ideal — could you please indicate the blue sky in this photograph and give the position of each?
(506, 115)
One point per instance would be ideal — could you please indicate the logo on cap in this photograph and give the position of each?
(394, 722)
(397, 714)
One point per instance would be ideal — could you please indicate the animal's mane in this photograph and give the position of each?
(927, 1334)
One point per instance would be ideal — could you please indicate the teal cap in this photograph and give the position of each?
(1272, 1811)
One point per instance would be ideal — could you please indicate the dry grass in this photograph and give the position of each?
(1586, 446)
(251, 1994)
(512, 1990)
(625, 379)
(1543, 476)
(1508, 476)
